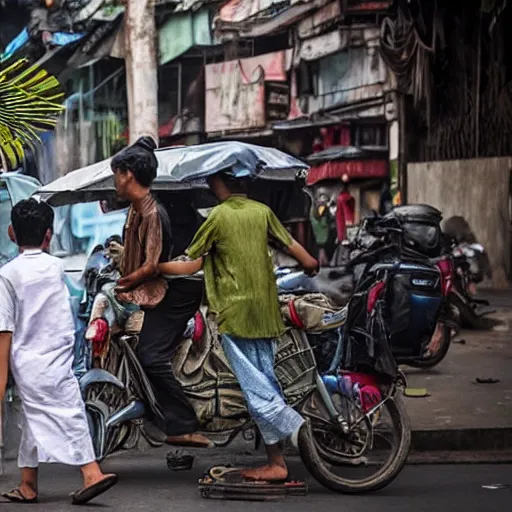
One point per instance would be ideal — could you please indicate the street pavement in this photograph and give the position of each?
(147, 485)
(456, 403)
(456, 400)
(497, 298)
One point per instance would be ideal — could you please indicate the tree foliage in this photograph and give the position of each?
(30, 103)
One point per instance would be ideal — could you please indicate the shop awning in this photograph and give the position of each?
(354, 169)
(337, 153)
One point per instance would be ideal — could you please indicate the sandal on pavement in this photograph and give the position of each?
(231, 475)
(16, 496)
(87, 494)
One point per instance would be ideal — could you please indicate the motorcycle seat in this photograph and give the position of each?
(334, 282)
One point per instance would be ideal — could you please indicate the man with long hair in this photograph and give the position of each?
(167, 309)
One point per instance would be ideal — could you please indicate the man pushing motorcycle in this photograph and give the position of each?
(233, 245)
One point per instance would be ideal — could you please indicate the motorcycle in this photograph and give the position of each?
(471, 266)
(357, 433)
(411, 233)
(409, 243)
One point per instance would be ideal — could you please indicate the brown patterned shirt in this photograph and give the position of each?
(147, 239)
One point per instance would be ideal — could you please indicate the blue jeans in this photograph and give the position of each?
(252, 362)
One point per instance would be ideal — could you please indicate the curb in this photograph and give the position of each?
(455, 446)
(463, 439)
(459, 457)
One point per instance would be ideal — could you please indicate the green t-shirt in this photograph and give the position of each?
(240, 281)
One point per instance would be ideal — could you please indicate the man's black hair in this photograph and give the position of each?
(140, 159)
(30, 221)
(235, 185)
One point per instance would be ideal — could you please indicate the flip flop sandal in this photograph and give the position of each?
(222, 474)
(87, 494)
(16, 496)
(416, 392)
(231, 475)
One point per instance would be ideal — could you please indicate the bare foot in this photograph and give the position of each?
(267, 473)
(190, 440)
(89, 481)
(92, 474)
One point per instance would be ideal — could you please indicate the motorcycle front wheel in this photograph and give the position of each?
(356, 464)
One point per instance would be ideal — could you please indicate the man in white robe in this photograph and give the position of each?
(37, 335)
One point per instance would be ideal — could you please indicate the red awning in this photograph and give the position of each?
(352, 168)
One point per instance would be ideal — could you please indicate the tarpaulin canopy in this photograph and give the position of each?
(201, 161)
(179, 168)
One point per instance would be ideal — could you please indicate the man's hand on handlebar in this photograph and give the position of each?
(124, 284)
(115, 252)
(306, 261)
(312, 271)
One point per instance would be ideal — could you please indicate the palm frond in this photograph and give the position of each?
(29, 104)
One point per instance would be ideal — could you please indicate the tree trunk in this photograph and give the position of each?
(141, 69)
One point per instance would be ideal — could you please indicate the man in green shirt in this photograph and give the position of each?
(241, 291)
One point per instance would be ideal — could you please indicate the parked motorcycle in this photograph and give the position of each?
(471, 266)
(357, 435)
(410, 234)
(405, 247)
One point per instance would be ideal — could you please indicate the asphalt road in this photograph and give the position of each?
(147, 485)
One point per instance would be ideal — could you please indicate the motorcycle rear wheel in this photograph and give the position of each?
(320, 466)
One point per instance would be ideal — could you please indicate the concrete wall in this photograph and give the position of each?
(479, 191)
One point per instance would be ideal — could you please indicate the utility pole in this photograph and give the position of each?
(141, 68)
(402, 148)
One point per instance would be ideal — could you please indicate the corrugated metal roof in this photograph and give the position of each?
(352, 76)
(235, 91)
(264, 25)
(316, 22)
(337, 40)
(239, 11)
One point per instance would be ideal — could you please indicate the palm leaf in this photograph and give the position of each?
(29, 104)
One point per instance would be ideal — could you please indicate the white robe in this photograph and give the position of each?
(35, 307)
